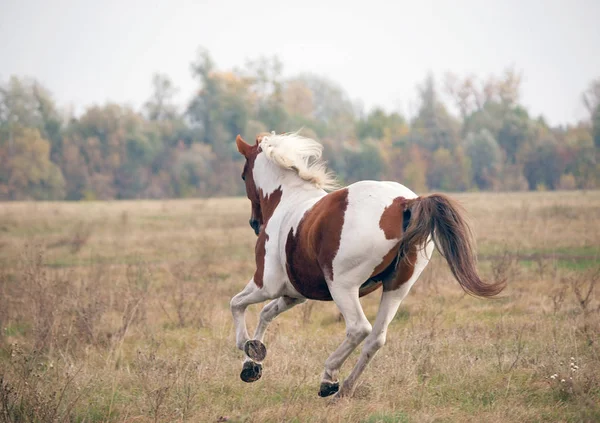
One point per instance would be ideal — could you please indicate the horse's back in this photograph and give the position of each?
(369, 204)
(381, 189)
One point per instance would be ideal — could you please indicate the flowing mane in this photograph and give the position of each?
(300, 154)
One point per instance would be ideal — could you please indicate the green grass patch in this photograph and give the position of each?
(567, 263)
(17, 329)
(384, 417)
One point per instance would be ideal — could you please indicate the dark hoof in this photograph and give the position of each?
(251, 371)
(255, 349)
(328, 388)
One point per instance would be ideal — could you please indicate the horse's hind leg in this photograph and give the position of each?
(394, 291)
(390, 301)
(357, 329)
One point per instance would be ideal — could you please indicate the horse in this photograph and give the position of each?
(319, 241)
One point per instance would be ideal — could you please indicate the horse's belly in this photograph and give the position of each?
(304, 272)
(315, 287)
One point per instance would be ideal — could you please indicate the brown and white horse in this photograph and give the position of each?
(339, 246)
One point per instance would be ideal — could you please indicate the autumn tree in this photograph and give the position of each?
(591, 100)
(118, 147)
(473, 133)
(415, 169)
(379, 125)
(362, 161)
(333, 111)
(448, 171)
(433, 127)
(161, 106)
(266, 87)
(486, 158)
(25, 103)
(27, 172)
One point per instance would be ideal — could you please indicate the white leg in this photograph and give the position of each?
(251, 294)
(390, 301)
(272, 310)
(357, 329)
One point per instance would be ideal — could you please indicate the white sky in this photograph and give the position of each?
(89, 52)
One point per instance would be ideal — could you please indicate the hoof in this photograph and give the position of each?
(328, 388)
(251, 371)
(255, 349)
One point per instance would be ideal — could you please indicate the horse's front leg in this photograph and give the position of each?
(238, 304)
(254, 350)
(272, 310)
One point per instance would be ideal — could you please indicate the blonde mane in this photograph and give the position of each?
(300, 154)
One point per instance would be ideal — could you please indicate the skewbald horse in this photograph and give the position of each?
(339, 246)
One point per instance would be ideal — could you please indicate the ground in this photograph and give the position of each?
(119, 311)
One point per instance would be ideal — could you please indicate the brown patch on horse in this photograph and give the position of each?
(393, 222)
(250, 152)
(268, 203)
(370, 287)
(259, 253)
(387, 260)
(405, 270)
(392, 218)
(330, 214)
(310, 252)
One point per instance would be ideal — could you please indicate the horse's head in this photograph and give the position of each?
(250, 152)
(280, 162)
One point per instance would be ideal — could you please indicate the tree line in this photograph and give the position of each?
(467, 134)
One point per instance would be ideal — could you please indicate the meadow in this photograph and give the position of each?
(119, 312)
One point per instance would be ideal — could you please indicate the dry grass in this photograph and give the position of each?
(118, 311)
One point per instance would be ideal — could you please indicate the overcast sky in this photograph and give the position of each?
(89, 52)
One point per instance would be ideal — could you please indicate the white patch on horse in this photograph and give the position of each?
(361, 231)
(267, 176)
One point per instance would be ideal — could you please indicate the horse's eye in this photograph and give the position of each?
(243, 177)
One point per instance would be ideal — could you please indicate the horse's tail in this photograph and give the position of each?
(444, 219)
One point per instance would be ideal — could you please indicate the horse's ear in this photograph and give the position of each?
(242, 147)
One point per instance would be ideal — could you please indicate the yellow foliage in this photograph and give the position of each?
(298, 99)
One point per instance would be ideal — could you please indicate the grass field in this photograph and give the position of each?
(119, 311)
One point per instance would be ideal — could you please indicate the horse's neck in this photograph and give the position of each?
(298, 195)
(270, 178)
(295, 203)
(295, 195)
(304, 196)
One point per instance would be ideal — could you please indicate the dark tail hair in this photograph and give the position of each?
(444, 219)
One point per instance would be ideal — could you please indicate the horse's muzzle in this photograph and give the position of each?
(255, 224)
